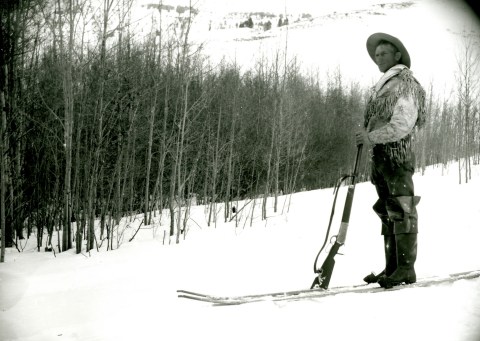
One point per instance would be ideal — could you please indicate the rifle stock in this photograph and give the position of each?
(324, 274)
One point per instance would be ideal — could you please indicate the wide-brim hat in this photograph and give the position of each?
(374, 39)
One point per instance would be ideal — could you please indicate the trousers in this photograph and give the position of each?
(396, 193)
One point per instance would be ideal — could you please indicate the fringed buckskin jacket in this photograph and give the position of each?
(395, 107)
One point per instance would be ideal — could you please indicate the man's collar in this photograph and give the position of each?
(393, 71)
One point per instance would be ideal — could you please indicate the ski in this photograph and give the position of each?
(232, 300)
(317, 293)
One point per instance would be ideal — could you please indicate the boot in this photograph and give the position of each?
(373, 278)
(390, 260)
(380, 209)
(406, 244)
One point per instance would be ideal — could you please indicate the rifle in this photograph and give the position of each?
(324, 274)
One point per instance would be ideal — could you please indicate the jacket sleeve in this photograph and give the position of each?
(403, 121)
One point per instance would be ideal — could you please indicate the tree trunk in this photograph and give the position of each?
(68, 123)
(215, 161)
(151, 122)
(180, 183)
(3, 129)
(230, 169)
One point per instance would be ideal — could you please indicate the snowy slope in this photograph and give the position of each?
(335, 38)
(130, 294)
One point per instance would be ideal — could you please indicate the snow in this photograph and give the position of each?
(433, 31)
(335, 39)
(130, 293)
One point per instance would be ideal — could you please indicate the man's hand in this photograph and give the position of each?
(361, 137)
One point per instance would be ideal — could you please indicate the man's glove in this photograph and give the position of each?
(361, 137)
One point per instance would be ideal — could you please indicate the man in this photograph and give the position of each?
(395, 108)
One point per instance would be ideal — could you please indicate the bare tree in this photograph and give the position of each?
(3, 130)
(67, 61)
(468, 87)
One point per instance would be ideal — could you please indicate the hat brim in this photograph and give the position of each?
(374, 39)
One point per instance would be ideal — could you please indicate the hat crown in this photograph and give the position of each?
(376, 38)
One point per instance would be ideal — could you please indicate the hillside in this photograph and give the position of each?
(335, 38)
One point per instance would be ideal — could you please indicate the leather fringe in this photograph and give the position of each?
(383, 106)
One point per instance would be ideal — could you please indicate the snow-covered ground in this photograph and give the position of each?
(129, 293)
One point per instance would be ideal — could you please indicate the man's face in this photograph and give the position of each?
(386, 57)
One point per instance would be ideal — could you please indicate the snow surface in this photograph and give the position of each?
(130, 293)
